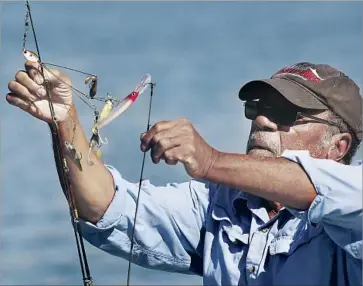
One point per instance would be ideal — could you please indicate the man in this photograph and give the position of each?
(289, 212)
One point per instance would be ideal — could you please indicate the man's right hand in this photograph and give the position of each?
(93, 186)
(28, 92)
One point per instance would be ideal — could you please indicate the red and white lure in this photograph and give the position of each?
(126, 102)
(110, 112)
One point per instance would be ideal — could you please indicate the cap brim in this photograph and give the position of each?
(292, 92)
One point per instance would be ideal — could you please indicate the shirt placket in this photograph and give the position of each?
(256, 253)
(262, 232)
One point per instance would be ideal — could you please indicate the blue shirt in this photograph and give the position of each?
(225, 235)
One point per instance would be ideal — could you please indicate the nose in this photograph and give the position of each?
(265, 124)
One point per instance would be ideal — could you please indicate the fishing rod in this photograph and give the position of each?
(61, 163)
(112, 108)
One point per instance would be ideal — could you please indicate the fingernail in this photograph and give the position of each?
(142, 137)
(143, 147)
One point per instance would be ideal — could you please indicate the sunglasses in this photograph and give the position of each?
(279, 115)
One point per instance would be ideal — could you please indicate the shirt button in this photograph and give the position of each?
(252, 269)
(264, 230)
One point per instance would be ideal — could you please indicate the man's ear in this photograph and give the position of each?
(341, 143)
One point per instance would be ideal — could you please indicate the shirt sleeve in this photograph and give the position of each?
(169, 224)
(338, 204)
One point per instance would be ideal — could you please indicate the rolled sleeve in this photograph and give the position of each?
(338, 204)
(168, 227)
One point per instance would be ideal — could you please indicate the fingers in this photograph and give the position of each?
(148, 139)
(32, 65)
(24, 91)
(33, 70)
(20, 91)
(28, 84)
(169, 141)
(20, 103)
(174, 155)
(161, 143)
(53, 76)
(171, 156)
(34, 90)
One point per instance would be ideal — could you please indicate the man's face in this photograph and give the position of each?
(267, 138)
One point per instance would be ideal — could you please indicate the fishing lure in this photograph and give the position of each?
(72, 152)
(126, 102)
(109, 112)
(30, 56)
(92, 85)
(96, 141)
(94, 145)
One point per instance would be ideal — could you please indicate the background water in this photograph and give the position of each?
(199, 54)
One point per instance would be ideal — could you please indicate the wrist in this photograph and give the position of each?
(67, 126)
(213, 158)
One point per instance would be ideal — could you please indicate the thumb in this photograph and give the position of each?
(33, 69)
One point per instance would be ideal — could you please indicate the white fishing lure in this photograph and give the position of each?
(30, 56)
(126, 102)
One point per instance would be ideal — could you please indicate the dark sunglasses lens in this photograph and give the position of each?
(283, 117)
(277, 115)
(251, 110)
(286, 120)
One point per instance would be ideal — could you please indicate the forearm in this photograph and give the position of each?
(93, 185)
(275, 179)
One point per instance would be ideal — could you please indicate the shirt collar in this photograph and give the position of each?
(253, 204)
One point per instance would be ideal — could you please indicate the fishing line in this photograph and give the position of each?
(64, 67)
(78, 93)
(62, 168)
(138, 193)
(92, 106)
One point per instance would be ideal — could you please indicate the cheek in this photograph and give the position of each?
(292, 142)
(309, 140)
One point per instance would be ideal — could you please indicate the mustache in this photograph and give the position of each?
(262, 140)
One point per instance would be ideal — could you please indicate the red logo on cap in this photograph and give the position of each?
(302, 70)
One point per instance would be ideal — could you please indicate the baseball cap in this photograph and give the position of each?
(314, 86)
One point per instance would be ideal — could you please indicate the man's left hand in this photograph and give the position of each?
(177, 141)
